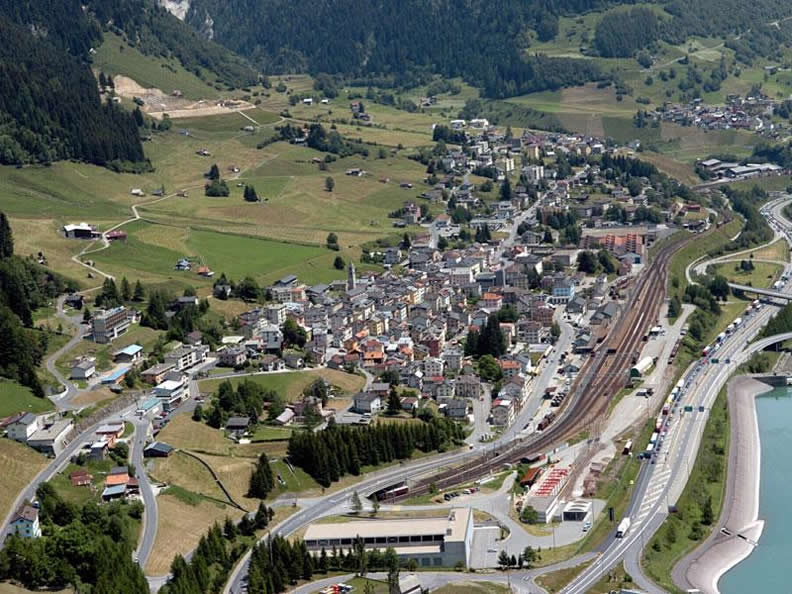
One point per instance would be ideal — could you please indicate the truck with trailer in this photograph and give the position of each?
(623, 528)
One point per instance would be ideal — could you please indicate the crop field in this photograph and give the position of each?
(291, 384)
(18, 465)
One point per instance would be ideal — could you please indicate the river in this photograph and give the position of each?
(767, 569)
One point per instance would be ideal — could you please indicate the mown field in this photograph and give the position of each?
(291, 384)
(17, 398)
(763, 275)
(18, 465)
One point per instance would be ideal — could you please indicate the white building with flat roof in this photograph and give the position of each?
(432, 542)
(171, 393)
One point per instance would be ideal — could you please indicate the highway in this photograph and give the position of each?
(661, 482)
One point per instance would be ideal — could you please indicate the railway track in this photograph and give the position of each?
(601, 378)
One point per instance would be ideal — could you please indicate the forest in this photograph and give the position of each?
(341, 449)
(50, 107)
(472, 39)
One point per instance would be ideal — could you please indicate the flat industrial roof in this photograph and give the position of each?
(452, 527)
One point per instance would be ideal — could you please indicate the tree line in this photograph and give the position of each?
(277, 563)
(341, 449)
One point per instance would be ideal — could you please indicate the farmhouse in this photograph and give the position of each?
(81, 231)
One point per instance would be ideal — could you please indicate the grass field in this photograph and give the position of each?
(778, 251)
(181, 526)
(17, 398)
(81, 495)
(556, 580)
(763, 275)
(290, 385)
(676, 538)
(18, 465)
(186, 472)
(700, 246)
(616, 579)
(182, 432)
(114, 56)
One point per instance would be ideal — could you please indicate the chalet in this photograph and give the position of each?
(237, 426)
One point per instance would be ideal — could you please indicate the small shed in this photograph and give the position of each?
(158, 449)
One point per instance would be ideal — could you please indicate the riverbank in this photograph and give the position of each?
(705, 565)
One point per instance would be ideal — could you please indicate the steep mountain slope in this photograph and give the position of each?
(480, 40)
(50, 107)
(486, 42)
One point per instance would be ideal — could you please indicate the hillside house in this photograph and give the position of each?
(366, 402)
(25, 522)
(83, 369)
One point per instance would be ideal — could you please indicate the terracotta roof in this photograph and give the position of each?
(116, 479)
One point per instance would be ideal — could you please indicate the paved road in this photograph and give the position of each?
(70, 390)
(541, 383)
(151, 513)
